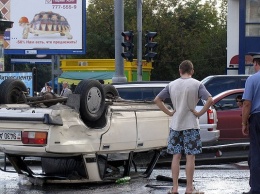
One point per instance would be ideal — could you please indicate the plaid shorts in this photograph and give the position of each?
(185, 142)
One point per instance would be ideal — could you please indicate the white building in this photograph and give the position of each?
(243, 35)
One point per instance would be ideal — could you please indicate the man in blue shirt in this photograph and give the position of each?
(251, 124)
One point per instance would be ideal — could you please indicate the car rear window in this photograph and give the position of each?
(139, 93)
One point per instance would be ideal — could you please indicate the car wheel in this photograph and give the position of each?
(92, 99)
(110, 91)
(12, 91)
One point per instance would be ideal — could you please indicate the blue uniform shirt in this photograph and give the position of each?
(252, 92)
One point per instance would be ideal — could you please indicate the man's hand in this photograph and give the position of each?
(172, 113)
(195, 113)
(245, 129)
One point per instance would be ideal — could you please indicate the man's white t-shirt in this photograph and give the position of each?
(185, 94)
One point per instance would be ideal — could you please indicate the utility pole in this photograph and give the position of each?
(139, 40)
(119, 28)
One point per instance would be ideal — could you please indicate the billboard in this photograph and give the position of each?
(46, 27)
(26, 77)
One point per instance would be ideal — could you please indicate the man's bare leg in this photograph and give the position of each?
(190, 167)
(175, 171)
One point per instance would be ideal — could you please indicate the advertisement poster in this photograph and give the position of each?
(47, 27)
(26, 77)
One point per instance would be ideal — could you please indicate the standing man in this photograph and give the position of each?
(251, 124)
(65, 90)
(184, 137)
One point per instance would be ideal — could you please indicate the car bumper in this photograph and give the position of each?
(209, 136)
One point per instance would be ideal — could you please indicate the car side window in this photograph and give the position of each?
(139, 93)
(220, 84)
(130, 93)
(148, 94)
(228, 102)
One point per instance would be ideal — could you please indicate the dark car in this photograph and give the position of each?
(216, 84)
(229, 116)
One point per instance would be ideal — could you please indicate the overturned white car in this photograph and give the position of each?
(88, 137)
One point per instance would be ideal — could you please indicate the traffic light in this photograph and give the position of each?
(150, 45)
(128, 45)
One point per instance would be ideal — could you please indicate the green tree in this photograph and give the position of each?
(193, 32)
(100, 29)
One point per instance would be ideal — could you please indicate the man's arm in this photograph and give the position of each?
(206, 106)
(162, 106)
(245, 115)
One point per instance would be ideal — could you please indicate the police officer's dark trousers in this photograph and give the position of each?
(254, 152)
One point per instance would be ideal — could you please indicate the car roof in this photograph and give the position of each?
(228, 92)
(240, 75)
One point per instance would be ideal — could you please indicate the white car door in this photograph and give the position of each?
(122, 132)
(153, 129)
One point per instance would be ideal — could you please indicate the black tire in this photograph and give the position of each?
(92, 99)
(110, 91)
(12, 91)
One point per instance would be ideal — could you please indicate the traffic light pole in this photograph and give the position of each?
(139, 40)
(119, 28)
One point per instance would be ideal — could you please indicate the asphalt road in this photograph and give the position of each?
(212, 179)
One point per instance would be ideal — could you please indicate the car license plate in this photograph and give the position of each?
(10, 135)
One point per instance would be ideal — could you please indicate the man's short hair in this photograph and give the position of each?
(257, 60)
(186, 67)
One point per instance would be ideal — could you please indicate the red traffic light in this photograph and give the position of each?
(150, 46)
(128, 45)
(128, 35)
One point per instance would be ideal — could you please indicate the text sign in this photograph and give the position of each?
(51, 27)
(10, 135)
